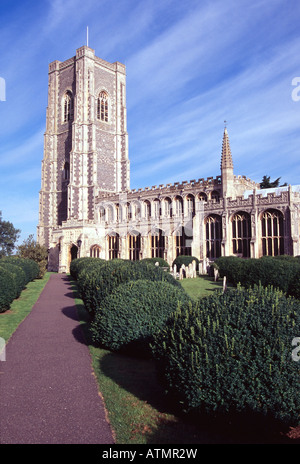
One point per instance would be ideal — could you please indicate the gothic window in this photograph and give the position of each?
(109, 214)
(272, 233)
(134, 246)
(168, 207)
(157, 244)
(67, 106)
(213, 226)
(147, 206)
(157, 208)
(202, 196)
(178, 206)
(215, 196)
(190, 205)
(95, 251)
(183, 242)
(102, 107)
(102, 214)
(241, 234)
(113, 246)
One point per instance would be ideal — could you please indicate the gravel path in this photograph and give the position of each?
(48, 392)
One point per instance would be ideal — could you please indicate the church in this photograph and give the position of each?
(86, 206)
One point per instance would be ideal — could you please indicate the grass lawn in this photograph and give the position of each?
(136, 405)
(10, 319)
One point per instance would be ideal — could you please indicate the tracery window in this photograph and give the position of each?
(147, 206)
(272, 233)
(215, 196)
(178, 206)
(168, 207)
(213, 226)
(102, 107)
(95, 251)
(157, 244)
(183, 243)
(134, 246)
(113, 246)
(67, 106)
(190, 205)
(241, 234)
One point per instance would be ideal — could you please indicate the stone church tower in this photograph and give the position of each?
(85, 143)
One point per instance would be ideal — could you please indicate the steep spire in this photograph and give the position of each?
(226, 159)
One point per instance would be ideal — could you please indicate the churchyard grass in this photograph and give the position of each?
(21, 307)
(133, 397)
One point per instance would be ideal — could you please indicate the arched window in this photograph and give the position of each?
(168, 207)
(213, 226)
(113, 246)
(272, 233)
(134, 246)
(109, 214)
(183, 242)
(202, 196)
(157, 208)
(215, 196)
(102, 107)
(147, 206)
(178, 206)
(157, 244)
(241, 234)
(190, 200)
(95, 251)
(67, 106)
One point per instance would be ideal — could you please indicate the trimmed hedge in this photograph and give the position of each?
(80, 264)
(8, 289)
(130, 315)
(279, 271)
(230, 354)
(15, 273)
(95, 284)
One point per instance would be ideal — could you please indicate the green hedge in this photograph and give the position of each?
(133, 312)
(279, 271)
(80, 264)
(15, 273)
(230, 354)
(8, 289)
(95, 284)
(19, 276)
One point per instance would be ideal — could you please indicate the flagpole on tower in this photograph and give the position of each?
(87, 36)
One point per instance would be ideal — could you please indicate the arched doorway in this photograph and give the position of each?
(73, 252)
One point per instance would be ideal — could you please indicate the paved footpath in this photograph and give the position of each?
(48, 392)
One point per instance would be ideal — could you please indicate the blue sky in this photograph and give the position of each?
(190, 66)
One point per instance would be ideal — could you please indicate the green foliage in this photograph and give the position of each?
(130, 315)
(95, 284)
(279, 271)
(162, 262)
(79, 264)
(8, 236)
(19, 276)
(30, 267)
(230, 354)
(30, 249)
(186, 260)
(8, 289)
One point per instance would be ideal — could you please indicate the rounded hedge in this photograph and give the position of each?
(230, 354)
(19, 276)
(80, 264)
(133, 312)
(30, 267)
(95, 285)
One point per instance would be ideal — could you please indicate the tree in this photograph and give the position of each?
(33, 250)
(8, 237)
(266, 183)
